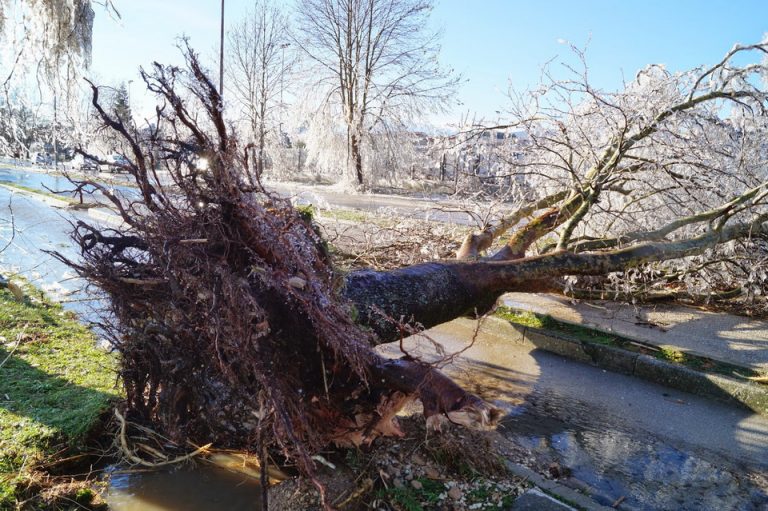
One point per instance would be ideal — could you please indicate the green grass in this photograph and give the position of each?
(348, 215)
(54, 386)
(486, 496)
(64, 198)
(523, 318)
(306, 212)
(411, 499)
(309, 212)
(585, 334)
(532, 320)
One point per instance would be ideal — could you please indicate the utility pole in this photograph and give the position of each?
(55, 136)
(221, 57)
(282, 86)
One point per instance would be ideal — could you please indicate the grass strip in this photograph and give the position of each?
(586, 334)
(55, 385)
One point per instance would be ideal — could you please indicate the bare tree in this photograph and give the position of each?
(375, 68)
(258, 67)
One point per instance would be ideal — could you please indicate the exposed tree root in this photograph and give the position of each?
(131, 456)
(233, 326)
(227, 313)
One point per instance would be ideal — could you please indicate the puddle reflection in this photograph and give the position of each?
(190, 489)
(647, 474)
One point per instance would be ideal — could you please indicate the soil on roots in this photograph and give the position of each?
(456, 470)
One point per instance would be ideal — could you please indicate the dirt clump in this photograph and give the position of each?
(456, 469)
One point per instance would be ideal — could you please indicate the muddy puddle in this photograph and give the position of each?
(630, 470)
(201, 488)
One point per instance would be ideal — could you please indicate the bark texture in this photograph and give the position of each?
(427, 294)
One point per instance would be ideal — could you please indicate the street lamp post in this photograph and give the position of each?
(221, 55)
(55, 135)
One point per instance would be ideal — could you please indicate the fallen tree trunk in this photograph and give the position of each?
(433, 293)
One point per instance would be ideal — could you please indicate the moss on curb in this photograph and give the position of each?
(36, 191)
(589, 335)
(55, 385)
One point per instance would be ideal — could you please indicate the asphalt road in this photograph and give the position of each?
(29, 228)
(435, 209)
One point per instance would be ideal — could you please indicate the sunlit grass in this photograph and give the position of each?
(55, 384)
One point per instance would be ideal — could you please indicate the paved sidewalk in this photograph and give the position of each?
(724, 337)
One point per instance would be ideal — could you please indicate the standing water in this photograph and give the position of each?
(626, 466)
(627, 443)
(187, 489)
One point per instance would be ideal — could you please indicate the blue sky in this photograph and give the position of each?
(492, 43)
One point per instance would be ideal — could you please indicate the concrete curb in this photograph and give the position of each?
(98, 214)
(106, 218)
(27, 168)
(51, 201)
(571, 497)
(714, 386)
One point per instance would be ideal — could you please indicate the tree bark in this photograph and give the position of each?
(433, 293)
(357, 157)
(443, 165)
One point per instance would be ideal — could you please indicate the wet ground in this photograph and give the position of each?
(616, 462)
(54, 182)
(326, 197)
(622, 440)
(29, 228)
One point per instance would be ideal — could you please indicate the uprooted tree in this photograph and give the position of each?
(234, 327)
